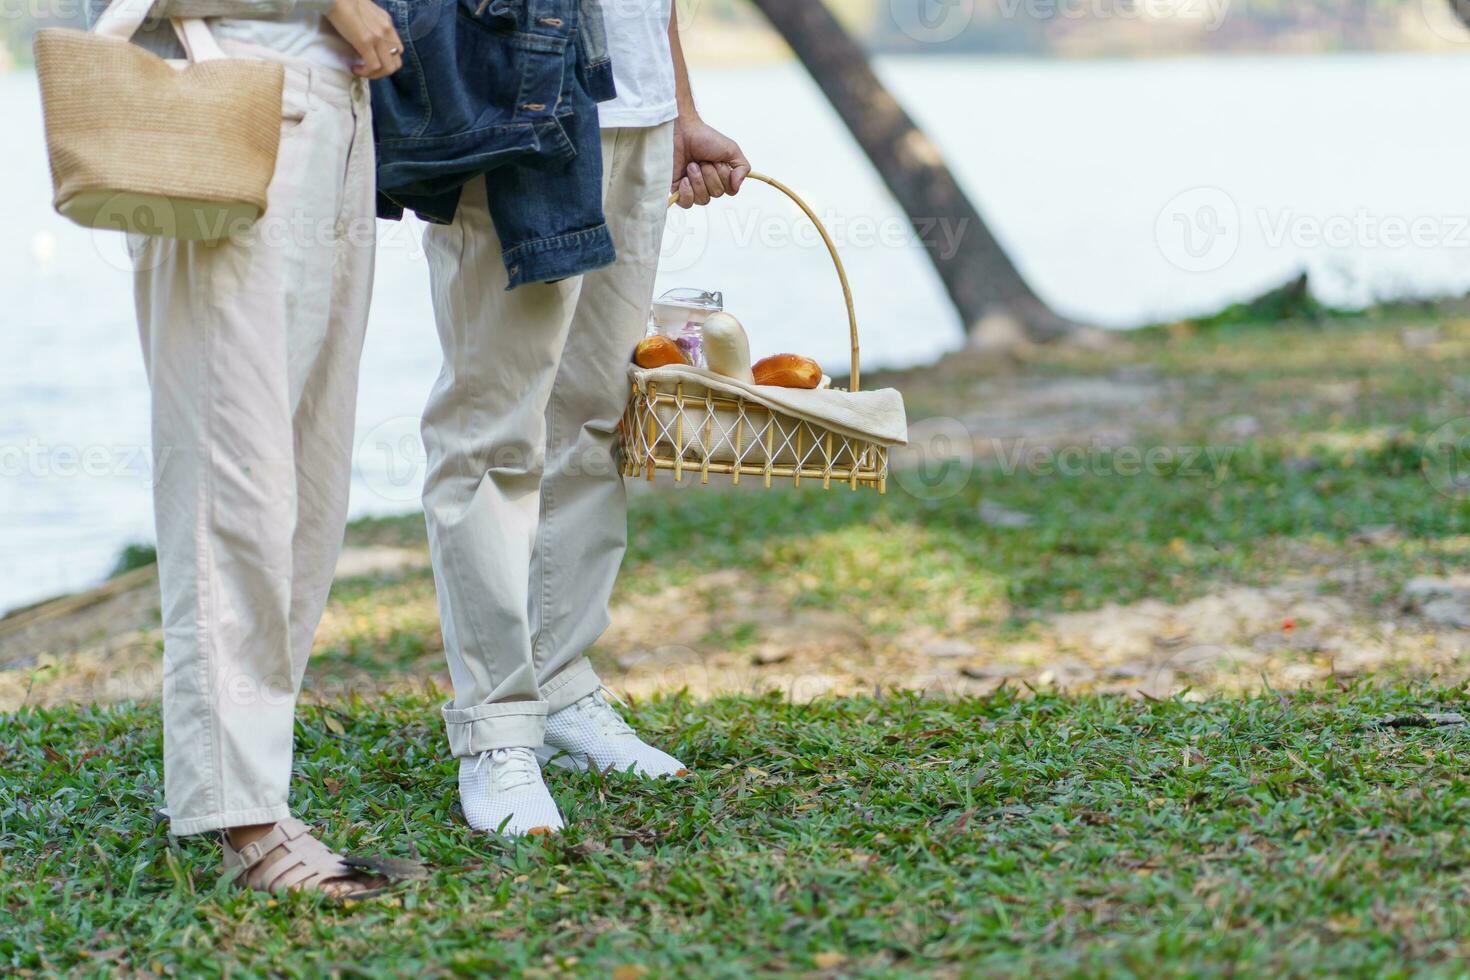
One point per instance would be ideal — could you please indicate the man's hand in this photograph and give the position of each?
(707, 163)
(369, 29)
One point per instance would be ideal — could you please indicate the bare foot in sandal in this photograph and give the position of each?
(285, 857)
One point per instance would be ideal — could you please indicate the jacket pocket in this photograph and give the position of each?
(402, 105)
(543, 74)
(527, 42)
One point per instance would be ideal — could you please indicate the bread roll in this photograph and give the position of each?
(787, 371)
(656, 352)
(726, 348)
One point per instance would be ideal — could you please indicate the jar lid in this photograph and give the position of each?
(693, 299)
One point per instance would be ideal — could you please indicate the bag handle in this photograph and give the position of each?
(197, 39)
(852, 327)
(122, 18)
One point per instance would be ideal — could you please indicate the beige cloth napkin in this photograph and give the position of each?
(875, 415)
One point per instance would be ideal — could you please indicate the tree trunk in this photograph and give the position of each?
(979, 276)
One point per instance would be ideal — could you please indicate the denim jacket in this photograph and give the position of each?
(505, 91)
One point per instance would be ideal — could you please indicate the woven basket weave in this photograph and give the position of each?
(137, 144)
(687, 432)
(679, 430)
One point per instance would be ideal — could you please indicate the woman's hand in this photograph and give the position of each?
(369, 29)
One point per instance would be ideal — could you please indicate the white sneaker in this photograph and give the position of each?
(590, 733)
(502, 791)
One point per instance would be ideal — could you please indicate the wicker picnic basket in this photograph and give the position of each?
(685, 428)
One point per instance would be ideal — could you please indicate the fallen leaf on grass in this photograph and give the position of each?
(587, 848)
(396, 869)
(829, 960)
(1433, 719)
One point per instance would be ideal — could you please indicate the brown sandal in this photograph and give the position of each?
(306, 864)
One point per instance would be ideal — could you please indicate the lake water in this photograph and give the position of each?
(1128, 192)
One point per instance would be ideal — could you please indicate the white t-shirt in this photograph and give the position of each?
(308, 38)
(643, 67)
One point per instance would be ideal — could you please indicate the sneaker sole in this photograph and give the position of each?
(555, 757)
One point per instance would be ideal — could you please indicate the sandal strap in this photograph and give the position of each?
(305, 873)
(251, 854)
(300, 860)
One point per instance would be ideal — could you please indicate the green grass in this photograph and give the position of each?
(133, 556)
(894, 560)
(1321, 469)
(880, 835)
(1024, 832)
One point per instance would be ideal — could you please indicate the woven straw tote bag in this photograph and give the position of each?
(179, 149)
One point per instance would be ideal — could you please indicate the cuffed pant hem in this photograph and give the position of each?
(229, 818)
(509, 725)
(571, 684)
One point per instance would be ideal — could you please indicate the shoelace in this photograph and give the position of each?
(510, 769)
(609, 723)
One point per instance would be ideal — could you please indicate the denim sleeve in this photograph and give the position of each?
(595, 64)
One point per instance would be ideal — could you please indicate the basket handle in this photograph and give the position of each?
(852, 326)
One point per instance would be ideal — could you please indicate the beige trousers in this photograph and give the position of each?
(524, 500)
(252, 349)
